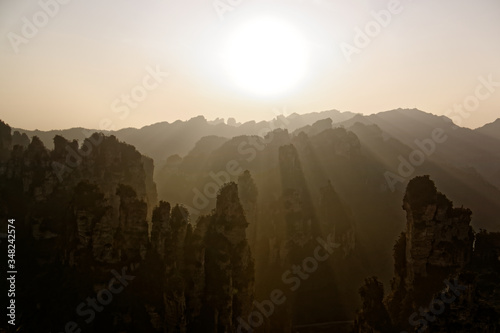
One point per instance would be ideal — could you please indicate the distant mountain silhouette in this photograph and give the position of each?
(163, 139)
(491, 129)
(463, 148)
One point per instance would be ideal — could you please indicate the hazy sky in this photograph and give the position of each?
(78, 66)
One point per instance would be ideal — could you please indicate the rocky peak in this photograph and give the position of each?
(436, 247)
(247, 191)
(229, 207)
(278, 137)
(292, 175)
(36, 150)
(438, 235)
(61, 145)
(5, 141)
(229, 264)
(20, 139)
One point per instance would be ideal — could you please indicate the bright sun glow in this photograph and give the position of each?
(266, 56)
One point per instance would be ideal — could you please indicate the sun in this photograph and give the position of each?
(266, 56)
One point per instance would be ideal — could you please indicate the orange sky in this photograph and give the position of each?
(74, 67)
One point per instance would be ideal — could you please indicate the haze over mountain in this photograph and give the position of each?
(491, 129)
(465, 151)
(206, 207)
(163, 139)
